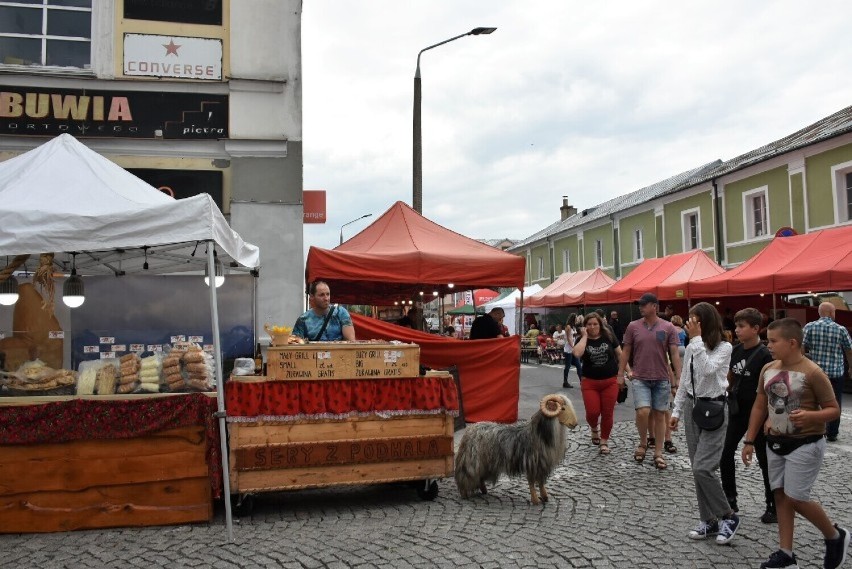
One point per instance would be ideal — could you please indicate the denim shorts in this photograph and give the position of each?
(654, 394)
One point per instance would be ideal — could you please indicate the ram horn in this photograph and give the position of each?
(551, 405)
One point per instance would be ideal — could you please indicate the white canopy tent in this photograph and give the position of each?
(63, 197)
(508, 302)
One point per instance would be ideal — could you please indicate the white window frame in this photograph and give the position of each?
(44, 37)
(566, 260)
(749, 229)
(838, 186)
(685, 229)
(598, 253)
(638, 245)
(540, 267)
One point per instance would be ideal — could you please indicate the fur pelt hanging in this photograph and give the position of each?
(43, 277)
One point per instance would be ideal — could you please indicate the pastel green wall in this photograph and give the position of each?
(777, 181)
(628, 227)
(820, 195)
(740, 253)
(797, 206)
(543, 252)
(672, 213)
(561, 245)
(590, 236)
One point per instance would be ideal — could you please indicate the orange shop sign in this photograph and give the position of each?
(314, 206)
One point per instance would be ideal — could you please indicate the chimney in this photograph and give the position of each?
(566, 210)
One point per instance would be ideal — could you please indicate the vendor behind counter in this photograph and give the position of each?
(324, 322)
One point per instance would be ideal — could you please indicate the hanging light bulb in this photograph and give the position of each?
(219, 279)
(145, 264)
(9, 291)
(434, 293)
(73, 294)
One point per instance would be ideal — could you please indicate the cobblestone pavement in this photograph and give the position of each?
(603, 512)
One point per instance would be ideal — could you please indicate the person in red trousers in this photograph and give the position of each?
(600, 353)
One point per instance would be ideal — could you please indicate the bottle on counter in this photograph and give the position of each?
(258, 360)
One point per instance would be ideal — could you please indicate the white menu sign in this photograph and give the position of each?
(173, 56)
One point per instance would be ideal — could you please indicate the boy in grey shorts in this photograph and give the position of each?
(798, 399)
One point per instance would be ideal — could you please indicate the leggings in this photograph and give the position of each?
(599, 397)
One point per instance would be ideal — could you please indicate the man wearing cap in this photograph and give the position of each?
(648, 344)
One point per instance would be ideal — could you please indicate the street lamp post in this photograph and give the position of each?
(417, 198)
(353, 221)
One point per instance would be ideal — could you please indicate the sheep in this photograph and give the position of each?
(533, 447)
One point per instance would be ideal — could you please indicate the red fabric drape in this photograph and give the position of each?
(489, 370)
(277, 400)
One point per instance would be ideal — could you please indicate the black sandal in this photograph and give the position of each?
(670, 448)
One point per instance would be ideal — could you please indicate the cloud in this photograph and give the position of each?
(589, 100)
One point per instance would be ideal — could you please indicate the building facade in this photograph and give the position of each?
(730, 209)
(190, 96)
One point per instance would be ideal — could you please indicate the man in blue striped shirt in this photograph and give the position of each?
(826, 341)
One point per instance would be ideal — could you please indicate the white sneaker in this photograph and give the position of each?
(704, 529)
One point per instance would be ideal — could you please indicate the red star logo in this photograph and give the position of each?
(171, 48)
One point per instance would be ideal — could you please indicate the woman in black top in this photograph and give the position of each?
(600, 353)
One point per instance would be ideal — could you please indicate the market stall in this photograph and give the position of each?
(96, 218)
(339, 413)
(402, 256)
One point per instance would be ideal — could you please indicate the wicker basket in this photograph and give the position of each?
(7, 391)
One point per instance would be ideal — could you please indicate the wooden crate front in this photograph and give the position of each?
(351, 451)
(337, 360)
(158, 479)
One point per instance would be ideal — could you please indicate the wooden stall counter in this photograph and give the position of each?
(111, 461)
(294, 434)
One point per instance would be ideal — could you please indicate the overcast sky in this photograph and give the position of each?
(585, 99)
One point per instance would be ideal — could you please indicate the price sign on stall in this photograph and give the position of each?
(208, 347)
(199, 339)
(119, 347)
(107, 340)
(176, 339)
(55, 334)
(137, 347)
(107, 355)
(155, 347)
(91, 349)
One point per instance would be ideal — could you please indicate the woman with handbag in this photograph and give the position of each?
(599, 351)
(700, 400)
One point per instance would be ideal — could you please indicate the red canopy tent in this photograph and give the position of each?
(402, 253)
(671, 277)
(818, 261)
(570, 288)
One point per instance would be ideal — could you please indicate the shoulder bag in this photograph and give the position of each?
(325, 322)
(707, 412)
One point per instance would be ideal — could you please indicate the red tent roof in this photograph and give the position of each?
(569, 288)
(664, 277)
(818, 261)
(403, 253)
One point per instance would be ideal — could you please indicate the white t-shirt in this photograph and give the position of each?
(561, 338)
